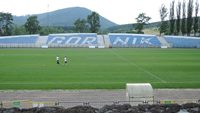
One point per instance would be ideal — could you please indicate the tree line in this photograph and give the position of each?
(32, 26)
(181, 23)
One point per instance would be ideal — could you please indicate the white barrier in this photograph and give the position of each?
(163, 47)
(101, 46)
(91, 46)
(44, 46)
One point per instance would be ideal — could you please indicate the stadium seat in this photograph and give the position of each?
(21, 39)
(183, 42)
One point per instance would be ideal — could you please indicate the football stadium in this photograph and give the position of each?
(99, 56)
(97, 62)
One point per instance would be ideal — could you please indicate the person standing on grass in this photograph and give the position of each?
(65, 60)
(57, 60)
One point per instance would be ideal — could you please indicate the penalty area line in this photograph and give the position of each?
(139, 67)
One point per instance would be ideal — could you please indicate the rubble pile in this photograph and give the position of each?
(125, 108)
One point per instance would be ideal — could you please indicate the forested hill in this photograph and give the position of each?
(64, 17)
(128, 27)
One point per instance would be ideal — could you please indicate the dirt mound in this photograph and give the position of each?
(125, 108)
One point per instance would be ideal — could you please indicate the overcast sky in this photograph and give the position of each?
(118, 11)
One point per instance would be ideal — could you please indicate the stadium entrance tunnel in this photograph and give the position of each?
(139, 93)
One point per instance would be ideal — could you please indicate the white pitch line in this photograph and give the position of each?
(140, 68)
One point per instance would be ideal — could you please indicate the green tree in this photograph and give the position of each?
(32, 25)
(45, 30)
(196, 18)
(183, 23)
(81, 25)
(142, 19)
(19, 30)
(189, 17)
(94, 22)
(178, 20)
(6, 23)
(172, 18)
(164, 25)
(199, 29)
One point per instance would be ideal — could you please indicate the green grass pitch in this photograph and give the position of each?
(99, 68)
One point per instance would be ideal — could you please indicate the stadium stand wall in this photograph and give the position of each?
(183, 41)
(19, 41)
(99, 41)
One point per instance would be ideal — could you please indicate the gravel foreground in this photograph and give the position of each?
(125, 108)
(95, 98)
(102, 101)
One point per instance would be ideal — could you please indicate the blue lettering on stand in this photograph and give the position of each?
(133, 40)
(67, 39)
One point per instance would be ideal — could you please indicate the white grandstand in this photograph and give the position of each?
(99, 41)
